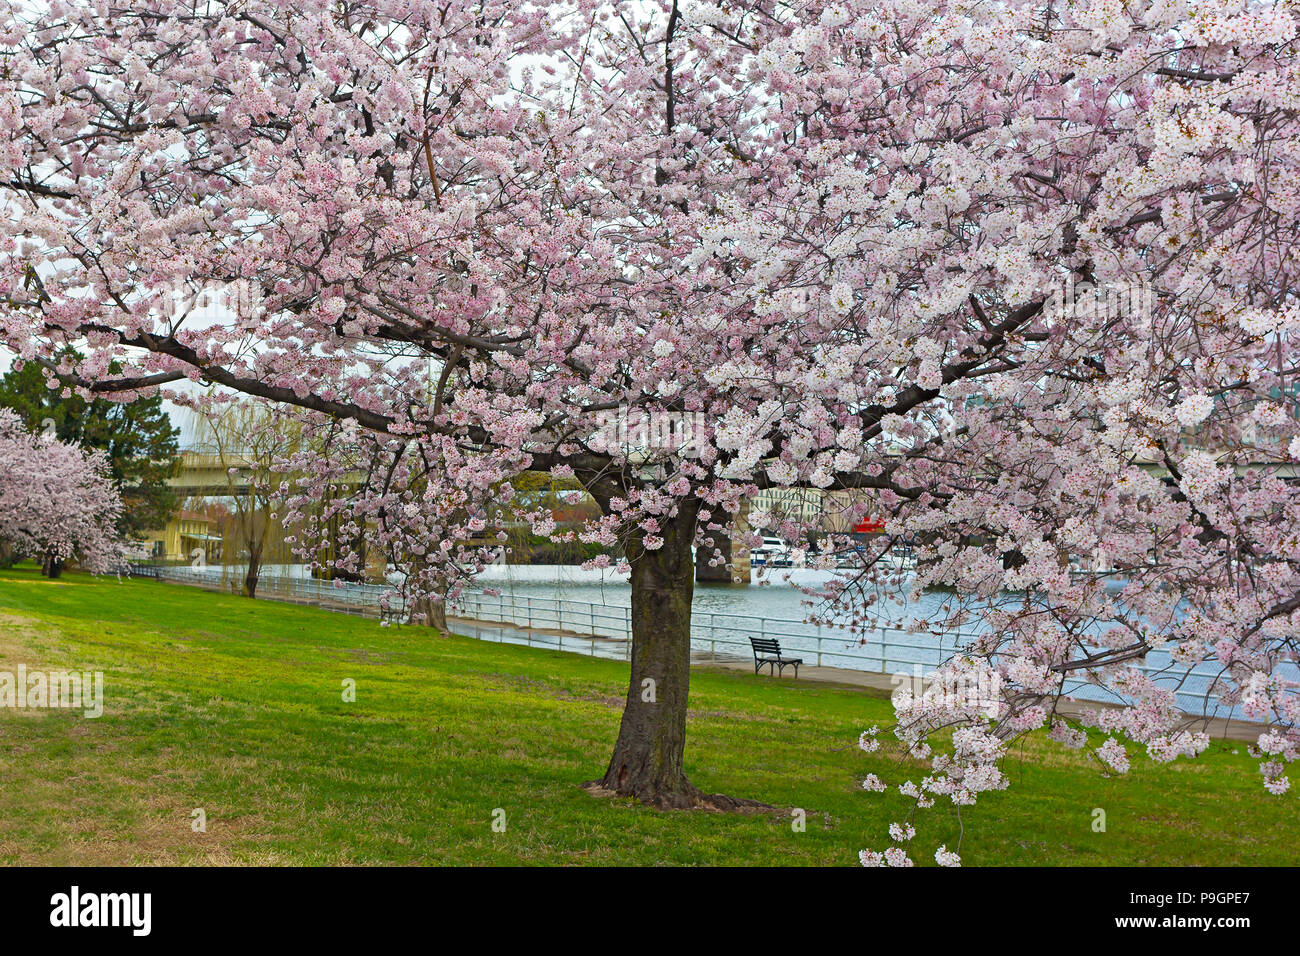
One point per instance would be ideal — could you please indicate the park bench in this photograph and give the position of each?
(767, 650)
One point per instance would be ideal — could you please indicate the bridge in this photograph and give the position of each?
(208, 474)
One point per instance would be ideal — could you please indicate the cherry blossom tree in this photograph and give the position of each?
(57, 502)
(1016, 278)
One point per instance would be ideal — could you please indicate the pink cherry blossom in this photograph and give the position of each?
(57, 502)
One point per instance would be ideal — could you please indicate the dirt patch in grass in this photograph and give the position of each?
(16, 632)
(612, 701)
(160, 828)
(521, 683)
(362, 655)
(164, 836)
(19, 639)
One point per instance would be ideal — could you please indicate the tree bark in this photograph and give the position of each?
(648, 757)
(254, 570)
(435, 613)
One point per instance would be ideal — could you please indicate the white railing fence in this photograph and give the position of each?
(605, 631)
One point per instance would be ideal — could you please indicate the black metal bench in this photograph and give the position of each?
(767, 650)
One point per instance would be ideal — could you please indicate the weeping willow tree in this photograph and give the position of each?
(247, 442)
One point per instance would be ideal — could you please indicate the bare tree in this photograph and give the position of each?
(247, 439)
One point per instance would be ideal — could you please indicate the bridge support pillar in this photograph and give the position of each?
(376, 565)
(734, 551)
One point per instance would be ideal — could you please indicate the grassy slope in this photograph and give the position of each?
(234, 706)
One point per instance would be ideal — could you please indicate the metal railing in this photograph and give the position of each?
(365, 599)
(605, 631)
(718, 635)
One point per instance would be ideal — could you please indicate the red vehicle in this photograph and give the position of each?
(869, 526)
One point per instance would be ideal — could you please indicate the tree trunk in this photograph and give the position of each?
(648, 757)
(435, 613)
(254, 568)
(54, 568)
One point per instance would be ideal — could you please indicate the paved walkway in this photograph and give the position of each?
(1217, 727)
(617, 649)
(613, 648)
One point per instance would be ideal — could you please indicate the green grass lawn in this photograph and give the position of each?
(235, 707)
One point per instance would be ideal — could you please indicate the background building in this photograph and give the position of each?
(184, 532)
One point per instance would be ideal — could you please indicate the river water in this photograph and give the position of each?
(776, 595)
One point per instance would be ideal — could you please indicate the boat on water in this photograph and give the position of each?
(897, 560)
(775, 553)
